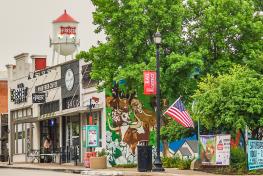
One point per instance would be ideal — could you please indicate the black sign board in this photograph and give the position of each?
(19, 95)
(70, 102)
(47, 86)
(38, 97)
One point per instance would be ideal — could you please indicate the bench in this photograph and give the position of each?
(34, 155)
(46, 155)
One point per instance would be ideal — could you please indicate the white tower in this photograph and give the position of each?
(65, 36)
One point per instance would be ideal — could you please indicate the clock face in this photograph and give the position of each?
(69, 79)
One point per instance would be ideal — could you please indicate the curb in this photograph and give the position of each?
(74, 171)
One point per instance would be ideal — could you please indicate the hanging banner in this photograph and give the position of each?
(92, 136)
(255, 154)
(222, 149)
(208, 149)
(149, 82)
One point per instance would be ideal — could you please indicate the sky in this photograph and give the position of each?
(27, 24)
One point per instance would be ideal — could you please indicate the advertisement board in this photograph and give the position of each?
(222, 149)
(208, 149)
(149, 82)
(91, 136)
(255, 154)
(215, 149)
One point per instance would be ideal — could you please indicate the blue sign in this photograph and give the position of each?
(255, 154)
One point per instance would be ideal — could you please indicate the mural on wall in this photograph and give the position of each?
(130, 119)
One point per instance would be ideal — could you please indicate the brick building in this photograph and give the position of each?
(3, 116)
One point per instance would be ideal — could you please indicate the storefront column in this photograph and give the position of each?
(36, 136)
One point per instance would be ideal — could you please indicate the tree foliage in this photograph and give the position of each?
(199, 37)
(230, 101)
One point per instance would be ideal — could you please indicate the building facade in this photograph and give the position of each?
(3, 116)
(52, 101)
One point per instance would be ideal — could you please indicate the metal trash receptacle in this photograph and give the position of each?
(144, 156)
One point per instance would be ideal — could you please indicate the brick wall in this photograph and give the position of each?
(3, 97)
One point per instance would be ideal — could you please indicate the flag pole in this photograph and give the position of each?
(198, 137)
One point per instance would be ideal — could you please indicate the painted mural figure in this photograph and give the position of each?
(129, 122)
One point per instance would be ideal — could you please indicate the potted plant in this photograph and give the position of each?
(100, 161)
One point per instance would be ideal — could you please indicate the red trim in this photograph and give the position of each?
(65, 18)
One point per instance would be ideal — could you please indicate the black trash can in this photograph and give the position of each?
(144, 156)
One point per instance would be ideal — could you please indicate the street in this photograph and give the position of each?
(21, 172)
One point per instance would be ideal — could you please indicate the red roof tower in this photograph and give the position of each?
(65, 18)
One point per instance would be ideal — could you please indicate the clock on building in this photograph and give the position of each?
(69, 79)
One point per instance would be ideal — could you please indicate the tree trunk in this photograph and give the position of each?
(243, 137)
(166, 152)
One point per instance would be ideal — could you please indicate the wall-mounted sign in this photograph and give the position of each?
(255, 154)
(91, 136)
(69, 30)
(47, 86)
(39, 97)
(47, 116)
(70, 102)
(149, 82)
(38, 73)
(19, 95)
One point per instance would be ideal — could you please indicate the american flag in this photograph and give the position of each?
(179, 113)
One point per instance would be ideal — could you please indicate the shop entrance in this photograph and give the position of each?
(71, 138)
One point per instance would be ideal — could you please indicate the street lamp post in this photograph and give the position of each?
(157, 162)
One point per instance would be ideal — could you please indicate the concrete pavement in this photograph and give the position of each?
(80, 170)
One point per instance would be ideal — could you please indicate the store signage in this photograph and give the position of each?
(19, 95)
(47, 116)
(91, 136)
(255, 154)
(222, 149)
(47, 86)
(68, 30)
(71, 102)
(149, 82)
(39, 97)
(38, 73)
(215, 149)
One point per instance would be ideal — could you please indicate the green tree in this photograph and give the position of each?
(231, 101)
(228, 33)
(199, 37)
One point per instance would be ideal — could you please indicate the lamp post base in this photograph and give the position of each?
(158, 166)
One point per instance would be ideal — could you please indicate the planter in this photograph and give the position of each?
(98, 162)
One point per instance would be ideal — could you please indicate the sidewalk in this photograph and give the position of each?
(68, 168)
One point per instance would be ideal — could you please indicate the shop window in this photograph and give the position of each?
(29, 111)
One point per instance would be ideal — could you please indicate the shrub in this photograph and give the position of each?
(176, 162)
(184, 164)
(130, 165)
(102, 153)
(238, 159)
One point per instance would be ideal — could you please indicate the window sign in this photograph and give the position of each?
(91, 136)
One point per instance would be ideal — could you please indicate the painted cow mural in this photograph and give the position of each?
(128, 123)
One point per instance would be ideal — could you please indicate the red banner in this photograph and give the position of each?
(149, 82)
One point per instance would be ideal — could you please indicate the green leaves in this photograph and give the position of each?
(231, 100)
(201, 40)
